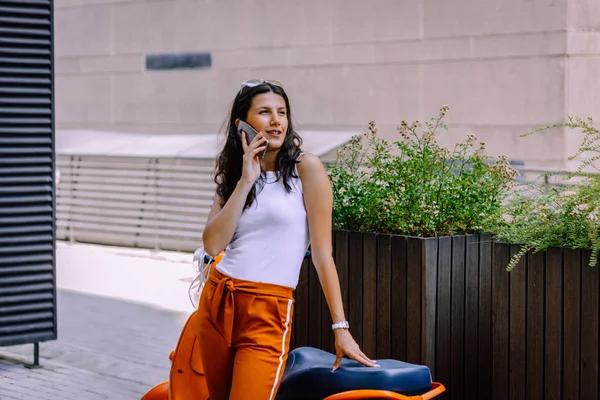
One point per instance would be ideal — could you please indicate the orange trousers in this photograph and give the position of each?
(244, 336)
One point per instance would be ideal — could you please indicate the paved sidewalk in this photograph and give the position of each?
(120, 312)
(160, 279)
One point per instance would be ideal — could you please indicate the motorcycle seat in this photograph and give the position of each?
(308, 375)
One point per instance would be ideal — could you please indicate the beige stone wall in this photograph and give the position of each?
(504, 67)
(582, 65)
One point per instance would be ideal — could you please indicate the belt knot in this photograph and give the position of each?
(230, 285)
(223, 307)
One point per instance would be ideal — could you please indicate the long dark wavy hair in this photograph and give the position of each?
(228, 170)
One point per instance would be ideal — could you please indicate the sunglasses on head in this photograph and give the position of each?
(256, 82)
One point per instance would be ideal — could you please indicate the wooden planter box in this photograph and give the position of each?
(449, 303)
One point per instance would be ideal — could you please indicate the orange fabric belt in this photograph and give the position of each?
(223, 302)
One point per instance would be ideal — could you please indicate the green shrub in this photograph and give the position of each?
(420, 189)
(566, 215)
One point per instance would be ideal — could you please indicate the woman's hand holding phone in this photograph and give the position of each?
(251, 159)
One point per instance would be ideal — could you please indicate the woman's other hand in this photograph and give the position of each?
(345, 345)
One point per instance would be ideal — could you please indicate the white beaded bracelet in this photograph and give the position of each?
(341, 325)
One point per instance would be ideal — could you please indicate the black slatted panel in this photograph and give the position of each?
(27, 267)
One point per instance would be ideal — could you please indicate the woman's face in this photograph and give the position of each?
(268, 114)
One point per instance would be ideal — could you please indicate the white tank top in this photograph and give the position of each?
(271, 237)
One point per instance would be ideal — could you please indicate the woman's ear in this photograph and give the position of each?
(237, 122)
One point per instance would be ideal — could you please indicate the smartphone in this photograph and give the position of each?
(250, 135)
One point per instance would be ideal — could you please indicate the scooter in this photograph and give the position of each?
(308, 373)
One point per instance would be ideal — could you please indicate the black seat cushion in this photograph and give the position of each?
(308, 376)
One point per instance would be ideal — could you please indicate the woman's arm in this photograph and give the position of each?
(318, 199)
(222, 222)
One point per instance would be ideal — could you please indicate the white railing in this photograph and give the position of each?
(157, 203)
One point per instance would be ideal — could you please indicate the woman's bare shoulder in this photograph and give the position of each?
(308, 164)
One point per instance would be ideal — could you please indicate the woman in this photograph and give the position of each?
(266, 210)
